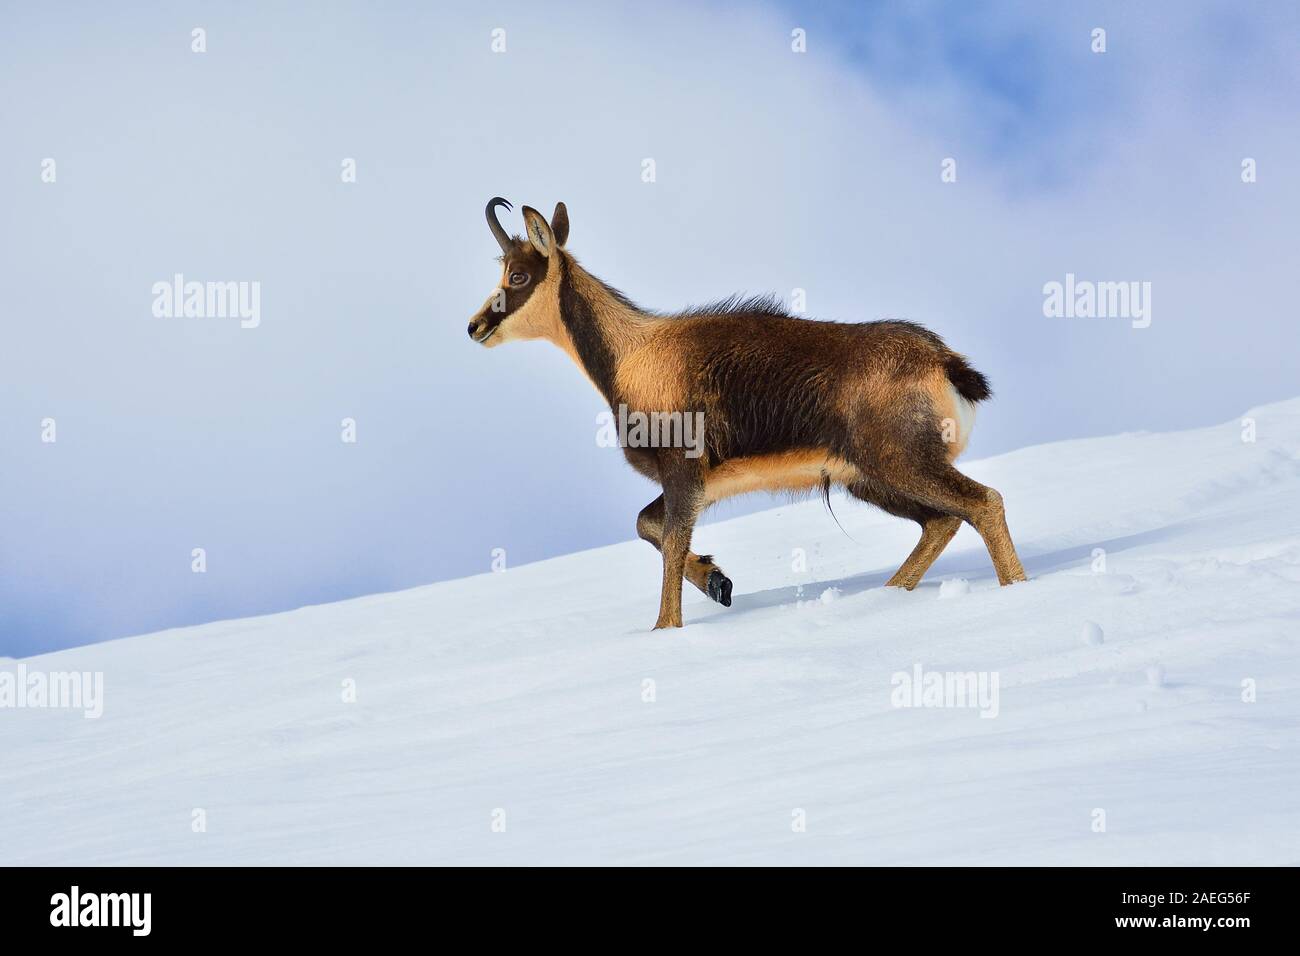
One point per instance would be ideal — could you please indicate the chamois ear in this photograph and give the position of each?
(560, 224)
(539, 231)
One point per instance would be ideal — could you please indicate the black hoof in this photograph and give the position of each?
(719, 587)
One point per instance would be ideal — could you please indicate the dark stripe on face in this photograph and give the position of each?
(522, 259)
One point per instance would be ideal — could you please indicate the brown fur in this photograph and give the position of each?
(789, 404)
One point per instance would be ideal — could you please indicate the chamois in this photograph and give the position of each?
(789, 404)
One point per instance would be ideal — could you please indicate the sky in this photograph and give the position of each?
(775, 170)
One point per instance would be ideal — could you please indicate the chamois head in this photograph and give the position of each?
(526, 305)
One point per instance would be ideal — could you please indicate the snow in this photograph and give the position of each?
(532, 716)
(953, 588)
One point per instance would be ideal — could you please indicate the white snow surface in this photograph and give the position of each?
(524, 696)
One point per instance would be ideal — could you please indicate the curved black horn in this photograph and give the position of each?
(503, 240)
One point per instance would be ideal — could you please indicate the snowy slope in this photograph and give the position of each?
(524, 691)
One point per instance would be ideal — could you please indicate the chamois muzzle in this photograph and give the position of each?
(503, 239)
(480, 329)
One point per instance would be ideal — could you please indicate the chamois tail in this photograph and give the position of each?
(970, 384)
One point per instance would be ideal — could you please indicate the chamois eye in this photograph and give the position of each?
(518, 278)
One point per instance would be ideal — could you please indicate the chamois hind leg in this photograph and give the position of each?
(947, 489)
(935, 535)
(937, 528)
(909, 457)
(700, 569)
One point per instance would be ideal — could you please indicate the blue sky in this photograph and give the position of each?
(183, 433)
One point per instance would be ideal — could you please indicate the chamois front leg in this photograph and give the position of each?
(683, 495)
(701, 569)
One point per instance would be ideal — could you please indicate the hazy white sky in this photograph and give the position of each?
(775, 171)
